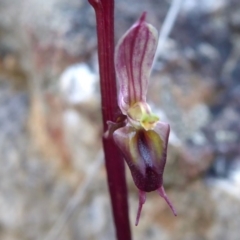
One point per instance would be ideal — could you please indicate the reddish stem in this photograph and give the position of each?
(114, 163)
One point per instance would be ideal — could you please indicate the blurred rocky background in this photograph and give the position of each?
(52, 179)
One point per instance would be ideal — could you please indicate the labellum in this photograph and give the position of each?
(141, 137)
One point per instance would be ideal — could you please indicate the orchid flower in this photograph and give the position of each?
(142, 137)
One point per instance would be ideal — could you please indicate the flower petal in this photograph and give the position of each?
(133, 61)
(145, 153)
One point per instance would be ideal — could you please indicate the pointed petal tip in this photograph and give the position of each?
(142, 200)
(136, 222)
(143, 17)
(141, 20)
(163, 194)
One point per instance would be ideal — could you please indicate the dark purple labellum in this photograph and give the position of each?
(151, 178)
(149, 182)
(145, 154)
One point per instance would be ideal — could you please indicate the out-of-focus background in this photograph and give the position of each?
(52, 180)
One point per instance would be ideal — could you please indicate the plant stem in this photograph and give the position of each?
(104, 10)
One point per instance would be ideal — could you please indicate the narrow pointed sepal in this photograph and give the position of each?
(142, 200)
(133, 61)
(163, 194)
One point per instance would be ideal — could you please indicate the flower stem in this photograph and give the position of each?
(104, 10)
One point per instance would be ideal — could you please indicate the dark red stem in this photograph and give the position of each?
(104, 10)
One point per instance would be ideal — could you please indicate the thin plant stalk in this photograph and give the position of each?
(104, 10)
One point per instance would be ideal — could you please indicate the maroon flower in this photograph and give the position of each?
(142, 137)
